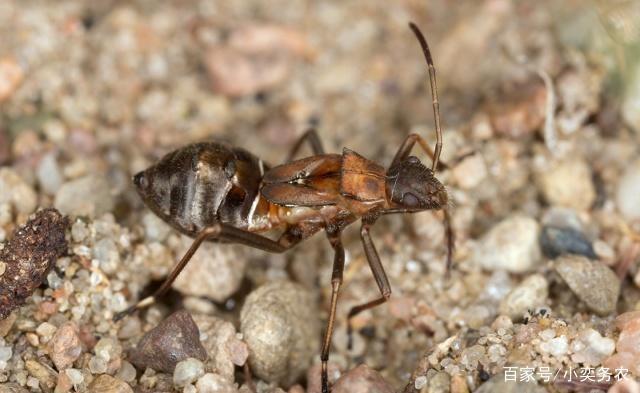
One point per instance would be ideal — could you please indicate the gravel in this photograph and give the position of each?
(187, 371)
(176, 338)
(628, 192)
(65, 346)
(281, 328)
(86, 196)
(361, 379)
(556, 241)
(595, 284)
(512, 245)
(528, 295)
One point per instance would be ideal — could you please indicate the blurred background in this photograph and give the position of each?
(540, 105)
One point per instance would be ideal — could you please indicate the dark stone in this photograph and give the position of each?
(173, 340)
(29, 256)
(556, 241)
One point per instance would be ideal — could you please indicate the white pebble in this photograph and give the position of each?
(75, 376)
(420, 382)
(510, 245)
(531, 292)
(187, 372)
(628, 192)
(556, 346)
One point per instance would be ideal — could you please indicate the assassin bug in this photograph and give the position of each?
(212, 191)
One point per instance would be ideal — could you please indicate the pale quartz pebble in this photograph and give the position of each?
(420, 382)
(569, 183)
(46, 330)
(547, 334)
(126, 372)
(16, 192)
(590, 348)
(280, 325)
(75, 375)
(86, 196)
(187, 371)
(470, 172)
(215, 271)
(556, 347)
(511, 245)
(214, 383)
(628, 192)
(529, 294)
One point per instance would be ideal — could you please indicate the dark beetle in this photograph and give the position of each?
(211, 191)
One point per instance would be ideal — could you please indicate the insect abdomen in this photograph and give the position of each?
(200, 184)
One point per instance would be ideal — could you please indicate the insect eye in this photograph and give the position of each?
(410, 200)
(140, 180)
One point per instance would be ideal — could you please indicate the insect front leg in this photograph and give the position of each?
(378, 274)
(218, 231)
(336, 282)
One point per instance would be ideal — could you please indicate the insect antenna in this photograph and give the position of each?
(434, 93)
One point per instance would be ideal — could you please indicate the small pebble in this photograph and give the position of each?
(86, 196)
(569, 183)
(49, 174)
(215, 271)
(556, 347)
(214, 383)
(511, 245)
(470, 172)
(219, 339)
(65, 346)
(556, 241)
(187, 371)
(361, 379)
(590, 348)
(628, 191)
(108, 384)
(174, 339)
(280, 325)
(45, 376)
(439, 383)
(594, 283)
(529, 294)
(75, 376)
(16, 192)
(11, 76)
(12, 388)
(126, 372)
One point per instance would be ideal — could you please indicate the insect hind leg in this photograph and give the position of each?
(219, 231)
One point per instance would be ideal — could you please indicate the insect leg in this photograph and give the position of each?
(311, 135)
(406, 147)
(450, 239)
(336, 282)
(218, 231)
(378, 274)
